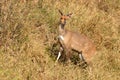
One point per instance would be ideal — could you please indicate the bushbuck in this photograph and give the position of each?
(70, 40)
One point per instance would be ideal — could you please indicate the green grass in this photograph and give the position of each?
(28, 29)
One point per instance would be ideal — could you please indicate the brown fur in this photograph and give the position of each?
(76, 41)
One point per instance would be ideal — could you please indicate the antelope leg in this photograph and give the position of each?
(81, 57)
(59, 54)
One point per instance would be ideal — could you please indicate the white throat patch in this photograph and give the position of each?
(61, 37)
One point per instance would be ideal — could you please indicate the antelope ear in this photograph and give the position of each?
(60, 12)
(69, 15)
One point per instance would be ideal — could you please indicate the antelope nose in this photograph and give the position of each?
(62, 21)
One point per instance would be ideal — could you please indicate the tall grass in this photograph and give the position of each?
(28, 30)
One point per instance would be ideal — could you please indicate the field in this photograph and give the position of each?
(29, 29)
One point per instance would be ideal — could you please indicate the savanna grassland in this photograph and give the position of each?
(29, 28)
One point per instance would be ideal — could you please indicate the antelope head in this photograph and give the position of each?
(64, 18)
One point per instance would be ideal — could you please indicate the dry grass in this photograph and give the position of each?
(29, 28)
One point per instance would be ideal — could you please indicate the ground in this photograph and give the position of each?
(28, 30)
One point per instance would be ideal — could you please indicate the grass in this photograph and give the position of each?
(28, 29)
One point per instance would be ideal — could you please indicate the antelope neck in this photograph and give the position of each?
(61, 29)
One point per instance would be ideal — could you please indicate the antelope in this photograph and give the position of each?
(70, 40)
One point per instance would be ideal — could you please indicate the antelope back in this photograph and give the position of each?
(79, 42)
(82, 43)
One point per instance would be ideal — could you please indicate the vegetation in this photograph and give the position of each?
(29, 28)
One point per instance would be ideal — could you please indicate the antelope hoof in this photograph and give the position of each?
(56, 62)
